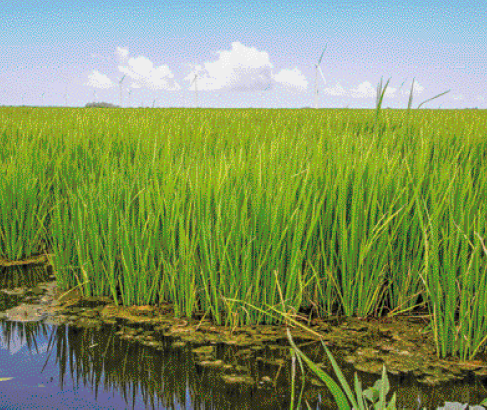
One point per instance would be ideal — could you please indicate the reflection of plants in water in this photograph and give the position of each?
(27, 276)
(29, 332)
(376, 394)
(163, 378)
(6, 378)
(15, 282)
(90, 353)
(19, 333)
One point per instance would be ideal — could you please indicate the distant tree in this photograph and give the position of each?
(101, 105)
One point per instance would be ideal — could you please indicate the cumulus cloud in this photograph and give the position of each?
(366, 90)
(292, 79)
(336, 90)
(121, 53)
(390, 92)
(99, 80)
(145, 74)
(239, 69)
(363, 90)
(418, 89)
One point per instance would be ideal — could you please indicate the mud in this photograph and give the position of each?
(402, 343)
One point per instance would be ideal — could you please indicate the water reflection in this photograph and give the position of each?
(96, 365)
(21, 276)
(65, 367)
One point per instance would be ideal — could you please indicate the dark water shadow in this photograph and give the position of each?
(59, 366)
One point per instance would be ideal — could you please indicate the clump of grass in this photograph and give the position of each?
(358, 399)
(345, 398)
(210, 208)
(24, 209)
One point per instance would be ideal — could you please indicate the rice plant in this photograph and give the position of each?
(24, 205)
(225, 211)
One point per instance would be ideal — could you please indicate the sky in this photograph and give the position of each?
(236, 54)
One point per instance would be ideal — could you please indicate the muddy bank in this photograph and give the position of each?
(401, 343)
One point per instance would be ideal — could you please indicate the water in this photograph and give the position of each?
(60, 367)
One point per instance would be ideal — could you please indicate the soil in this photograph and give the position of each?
(402, 343)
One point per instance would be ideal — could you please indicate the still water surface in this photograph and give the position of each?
(60, 367)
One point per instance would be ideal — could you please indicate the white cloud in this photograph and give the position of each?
(99, 80)
(292, 78)
(239, 69)
(364, 90)
(418, 89)
(143, 71)
(337, 90)
(480, 98)
(121, 53)
(390, 92)
(457, 97)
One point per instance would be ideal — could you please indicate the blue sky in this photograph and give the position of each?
(244, 54)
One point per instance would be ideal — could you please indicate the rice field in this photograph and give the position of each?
(241, 212)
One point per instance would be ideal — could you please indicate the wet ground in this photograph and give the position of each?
(64, 352)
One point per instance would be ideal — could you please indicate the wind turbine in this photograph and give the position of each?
(66, 91)
(120, 87)
(42, 96)
(66, 96)
(262, 91)
(401, 85)
(154, 102)
(317, 67)
(195, 81)
(68, 79)
(267, 88)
